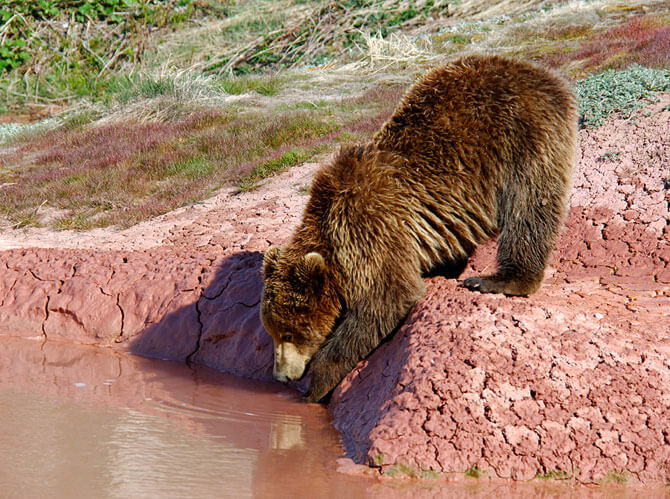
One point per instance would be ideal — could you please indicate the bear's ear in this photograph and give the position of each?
(315, 269)
(315, 261)
(270, 261)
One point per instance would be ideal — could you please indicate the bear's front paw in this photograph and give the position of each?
(316, 394)
(325, 378)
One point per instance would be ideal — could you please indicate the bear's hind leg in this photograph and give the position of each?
(529, 221)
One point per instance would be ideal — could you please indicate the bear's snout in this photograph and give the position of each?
(289, 363)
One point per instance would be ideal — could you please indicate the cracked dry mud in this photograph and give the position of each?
(574, 379)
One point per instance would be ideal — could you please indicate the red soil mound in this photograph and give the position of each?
(574, 378)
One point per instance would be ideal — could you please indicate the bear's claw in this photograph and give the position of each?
(509, 287)
(484, 285)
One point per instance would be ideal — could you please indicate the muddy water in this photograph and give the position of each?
(79, 421)
(82, 421)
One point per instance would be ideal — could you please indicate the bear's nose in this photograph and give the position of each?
(279, 377)
(289, 362)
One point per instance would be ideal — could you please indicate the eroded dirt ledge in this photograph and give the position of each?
(574, 379)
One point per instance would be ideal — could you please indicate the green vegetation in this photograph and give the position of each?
(474, 472)
(378, 460)
(292, 157)
(459, 39)
(126, 171)
(404, 471)
(623, 92)
(326, 29)
(263, 85)
(553, 475)
(54, 50)
(616, 477)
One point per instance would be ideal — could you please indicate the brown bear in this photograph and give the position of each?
(482, 146)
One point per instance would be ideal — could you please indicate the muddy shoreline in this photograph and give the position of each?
(574, 379)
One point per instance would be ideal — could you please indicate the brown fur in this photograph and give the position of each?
(482, 146)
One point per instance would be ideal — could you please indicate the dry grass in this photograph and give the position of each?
(308, 33)
(396, 52)
(163, 94)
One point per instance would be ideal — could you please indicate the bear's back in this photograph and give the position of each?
(479, 116)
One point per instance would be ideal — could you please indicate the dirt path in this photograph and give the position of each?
(574, 379)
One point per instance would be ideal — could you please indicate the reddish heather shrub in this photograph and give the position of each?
(655, 52)
(566, 32)
(644, 40)
(368, 126)
(638, 28)
(102, 147)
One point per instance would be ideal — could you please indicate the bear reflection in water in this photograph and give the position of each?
(483, 146)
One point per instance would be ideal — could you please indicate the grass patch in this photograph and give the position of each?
(191, 168)
(159, 94)
(616, 477)
(292, 157)
(150, 87)
(316, 32)
(57, 50)
(460, 39)
(303, 126)
(126, 171)
(404, 471)
(474, 472)
(76, 222)
(643, 40)
(263, 85)
(80, 119)
(621, 92)
(553, 475)
(347, 137)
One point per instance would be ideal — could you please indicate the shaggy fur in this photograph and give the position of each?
(482, 146)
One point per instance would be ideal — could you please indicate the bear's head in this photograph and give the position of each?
(299, 308)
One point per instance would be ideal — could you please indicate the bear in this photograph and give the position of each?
(480, 147)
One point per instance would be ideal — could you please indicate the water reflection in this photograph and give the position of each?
(72, 450)
(78, 421)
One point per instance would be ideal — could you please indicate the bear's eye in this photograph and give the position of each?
(287, 337)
